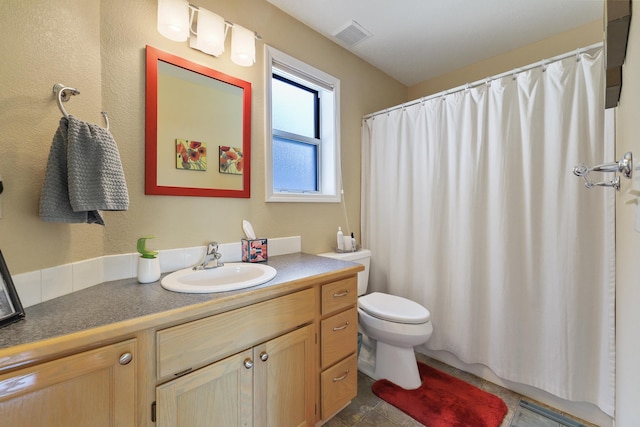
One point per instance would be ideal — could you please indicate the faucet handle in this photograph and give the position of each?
(212, 248)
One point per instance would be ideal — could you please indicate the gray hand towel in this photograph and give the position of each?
(84, 175)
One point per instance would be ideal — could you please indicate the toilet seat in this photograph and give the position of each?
(393, 308)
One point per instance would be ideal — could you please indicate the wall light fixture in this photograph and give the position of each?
(210, 34)
(176, 22)
(173, 19)
(243, 46)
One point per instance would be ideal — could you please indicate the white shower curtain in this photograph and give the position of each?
(470, 207)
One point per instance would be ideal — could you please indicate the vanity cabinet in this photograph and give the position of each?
(338, 337)
(95, 388)
(280, 355)
(258, 367)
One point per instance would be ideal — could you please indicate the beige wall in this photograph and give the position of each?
(582, 36)
(98, 47)
(628, 241)
(43, 43)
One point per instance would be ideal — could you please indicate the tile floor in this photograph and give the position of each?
(367, 409)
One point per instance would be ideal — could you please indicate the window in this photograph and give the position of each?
(302, 128)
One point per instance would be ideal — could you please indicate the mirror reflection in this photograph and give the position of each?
(198, 129)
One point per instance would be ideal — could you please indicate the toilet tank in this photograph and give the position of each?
(363, 256)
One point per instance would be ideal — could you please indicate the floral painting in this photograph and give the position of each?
(191, 155)
(230, 160)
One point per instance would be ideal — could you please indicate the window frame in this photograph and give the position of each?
(329, 170)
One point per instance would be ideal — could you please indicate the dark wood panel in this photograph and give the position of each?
(618, 22)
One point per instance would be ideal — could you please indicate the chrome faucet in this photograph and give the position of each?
(211, 258)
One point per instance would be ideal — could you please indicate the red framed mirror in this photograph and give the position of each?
(198, 129)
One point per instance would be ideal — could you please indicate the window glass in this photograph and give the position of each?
(294, 108)
(295, 165)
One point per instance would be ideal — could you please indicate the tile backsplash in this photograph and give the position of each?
(37, 286)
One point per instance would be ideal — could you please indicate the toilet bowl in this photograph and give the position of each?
(398, 325)
(392, 326)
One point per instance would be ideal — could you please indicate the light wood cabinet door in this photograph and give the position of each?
(284, 380)
(93, 388)
(218, 395)
(268, 385)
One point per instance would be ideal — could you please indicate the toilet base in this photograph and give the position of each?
(398, 365)
(367, 357)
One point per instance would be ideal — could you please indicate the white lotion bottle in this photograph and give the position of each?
(340, 239)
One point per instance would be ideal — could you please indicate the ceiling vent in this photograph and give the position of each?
(352, 33)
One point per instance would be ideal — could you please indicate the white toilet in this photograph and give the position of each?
(392, 326)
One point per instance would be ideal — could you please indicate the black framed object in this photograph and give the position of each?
(10, 307)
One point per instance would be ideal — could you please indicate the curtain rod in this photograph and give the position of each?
(542, 63)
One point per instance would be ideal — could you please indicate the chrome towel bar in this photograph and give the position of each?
(624, 166)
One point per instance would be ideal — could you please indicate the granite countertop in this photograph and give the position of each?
(121, 300)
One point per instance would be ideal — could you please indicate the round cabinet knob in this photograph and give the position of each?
(264, 356)
(248, 363)
(125, 358)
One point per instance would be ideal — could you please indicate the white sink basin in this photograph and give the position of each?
(230, 277)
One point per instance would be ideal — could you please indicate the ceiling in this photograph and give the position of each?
(415, 40)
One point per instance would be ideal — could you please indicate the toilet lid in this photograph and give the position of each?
(393, 308)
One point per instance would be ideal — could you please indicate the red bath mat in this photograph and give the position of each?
(444, 401)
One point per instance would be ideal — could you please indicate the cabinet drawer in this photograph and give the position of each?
(95, 387)
(203, 341)
(339, 385)
(340, 294)
(339, 335)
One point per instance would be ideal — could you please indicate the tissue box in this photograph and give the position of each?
(254, 250)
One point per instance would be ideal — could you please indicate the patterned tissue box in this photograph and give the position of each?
(254, 250)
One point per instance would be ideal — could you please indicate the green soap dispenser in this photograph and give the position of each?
(148, 262)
